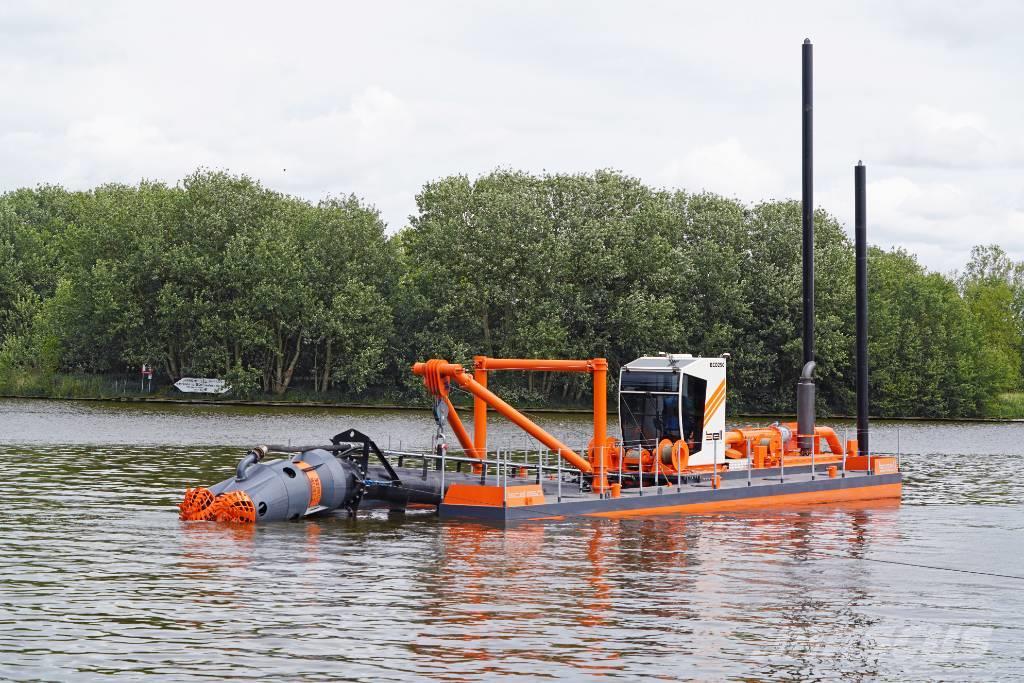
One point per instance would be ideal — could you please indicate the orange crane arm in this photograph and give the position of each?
(433, 373)
(524, 423)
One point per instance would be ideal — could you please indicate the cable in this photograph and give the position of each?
(866, 559)
(922, 566)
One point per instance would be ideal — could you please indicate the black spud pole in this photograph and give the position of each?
(805, 393)
(860, 230)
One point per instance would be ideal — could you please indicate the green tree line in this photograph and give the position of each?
(218, 276)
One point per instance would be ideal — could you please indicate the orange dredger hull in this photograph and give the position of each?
(732, 493)
(884, 491)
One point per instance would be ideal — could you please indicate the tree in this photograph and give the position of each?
(993, 288)
(353, 270)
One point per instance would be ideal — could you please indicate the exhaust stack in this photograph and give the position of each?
(805, 388)
(861, 246)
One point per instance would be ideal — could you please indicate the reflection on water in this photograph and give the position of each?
(100, 577)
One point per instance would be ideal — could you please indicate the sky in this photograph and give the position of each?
(376, 99)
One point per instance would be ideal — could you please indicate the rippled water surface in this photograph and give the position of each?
(99, 578)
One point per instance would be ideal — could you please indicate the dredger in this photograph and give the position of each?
(672, 452)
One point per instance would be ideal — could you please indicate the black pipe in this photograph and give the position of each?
(806, 389)
(807, 201)
(251, 458)
(860, 230)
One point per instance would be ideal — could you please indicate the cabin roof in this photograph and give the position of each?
(666, 363)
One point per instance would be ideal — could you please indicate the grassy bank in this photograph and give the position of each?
(23, 384)
(27, 384)
(1008, 406)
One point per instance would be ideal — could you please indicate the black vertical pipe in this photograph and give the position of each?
(807, 200)
(805, 388)
(860, 236)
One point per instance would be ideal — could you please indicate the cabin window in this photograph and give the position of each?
(694, 395)
(647, 418)
(650, 381)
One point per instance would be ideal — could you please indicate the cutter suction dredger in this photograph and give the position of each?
(673, 452)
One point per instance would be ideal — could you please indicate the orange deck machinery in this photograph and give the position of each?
(670, 424)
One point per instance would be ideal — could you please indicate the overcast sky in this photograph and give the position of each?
(376, 98)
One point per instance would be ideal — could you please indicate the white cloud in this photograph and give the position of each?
(940, 139)
(937, 220)
(380, 116)
(378, 98)
(724, 168)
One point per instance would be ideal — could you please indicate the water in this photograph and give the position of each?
(99, 578)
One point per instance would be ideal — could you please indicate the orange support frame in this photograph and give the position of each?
(479, 409)
(483, 397)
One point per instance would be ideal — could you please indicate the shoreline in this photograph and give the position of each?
(397, 406)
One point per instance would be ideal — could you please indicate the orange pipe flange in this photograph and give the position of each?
(442, 367)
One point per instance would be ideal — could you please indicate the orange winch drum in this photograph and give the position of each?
(315, 487)
(665, 452)
(680, 455)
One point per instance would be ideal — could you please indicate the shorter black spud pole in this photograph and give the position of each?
(861, 248)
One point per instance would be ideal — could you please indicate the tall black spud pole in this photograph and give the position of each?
(807, 200)
(805, 398)
(860, 237)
